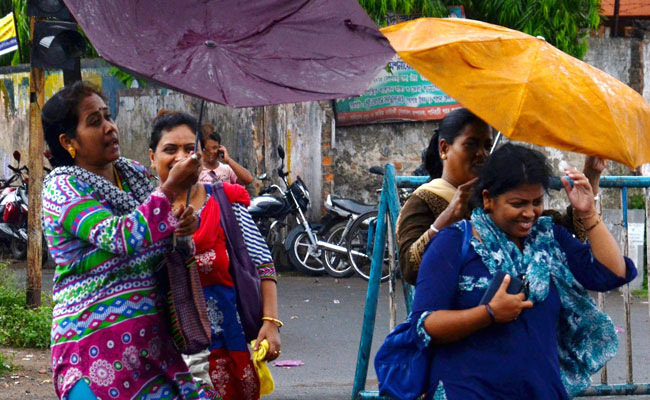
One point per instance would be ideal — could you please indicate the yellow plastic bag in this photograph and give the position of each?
(266, 380)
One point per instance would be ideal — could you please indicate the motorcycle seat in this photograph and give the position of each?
(352, 206)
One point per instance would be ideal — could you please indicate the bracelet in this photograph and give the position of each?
(491, 312)
(433, 228)
(274, 320)
(594, 225)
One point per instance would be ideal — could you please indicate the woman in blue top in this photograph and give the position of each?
(544, 344)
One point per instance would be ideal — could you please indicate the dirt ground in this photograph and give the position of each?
(32, 377)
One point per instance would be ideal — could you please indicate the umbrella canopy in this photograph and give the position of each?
(528, 89)
(240, 53)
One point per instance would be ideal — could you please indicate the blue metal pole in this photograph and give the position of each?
(605, 181)
(370, 310)
(618, 389)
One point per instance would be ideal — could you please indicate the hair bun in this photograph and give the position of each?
(162, 112)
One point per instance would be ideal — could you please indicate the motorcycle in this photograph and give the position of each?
(13, 211)
(347, 210)
(272, 207)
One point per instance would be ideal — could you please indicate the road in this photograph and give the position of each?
(323, 319)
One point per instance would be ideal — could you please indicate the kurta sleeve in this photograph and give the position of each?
(586, 269)
(74, 210)
(414, 221)
(437, 284)
(255, 243)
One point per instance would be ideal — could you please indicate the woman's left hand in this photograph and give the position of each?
(188, 222)
(580, 195)
(271, 333)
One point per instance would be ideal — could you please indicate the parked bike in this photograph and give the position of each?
(336, 262)
(14, 210)
(361, 235)
(271, 211)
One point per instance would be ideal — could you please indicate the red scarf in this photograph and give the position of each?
(210, 239)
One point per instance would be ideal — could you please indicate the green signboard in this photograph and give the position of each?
(401, 94)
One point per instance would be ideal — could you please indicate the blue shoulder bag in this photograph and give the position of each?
(402, 367)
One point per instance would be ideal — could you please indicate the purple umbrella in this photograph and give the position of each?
(240, 53)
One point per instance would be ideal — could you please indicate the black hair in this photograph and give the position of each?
(509, 167)
(208, 133)
(451, 126)
(60, 114)
(166, 121)
(213, 136)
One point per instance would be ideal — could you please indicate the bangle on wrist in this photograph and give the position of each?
(274, 320)
(586, 217)
(433, 228)
(490, 312)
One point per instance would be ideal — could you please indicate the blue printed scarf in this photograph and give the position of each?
(586, 336)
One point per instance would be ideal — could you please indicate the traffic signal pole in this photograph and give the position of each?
(35, 187)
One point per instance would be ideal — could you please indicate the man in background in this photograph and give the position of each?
(217, 164)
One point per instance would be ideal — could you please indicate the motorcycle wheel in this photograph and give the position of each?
(337, 264)
(299, 255)
(360, 245)
(18, 249)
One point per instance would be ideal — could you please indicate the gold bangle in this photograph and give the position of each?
(274, 320)
(594, 225)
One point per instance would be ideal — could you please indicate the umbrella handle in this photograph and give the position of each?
(196, 147)
(496, 142)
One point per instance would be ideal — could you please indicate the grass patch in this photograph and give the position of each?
(21, 326)
(640, 293)
(5, 364)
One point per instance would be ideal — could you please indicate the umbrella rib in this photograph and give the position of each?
(285, 85)
(272, 24)
(525, 89)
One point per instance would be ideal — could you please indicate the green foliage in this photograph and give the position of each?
(21, 326)
(126, 78)
(563, 23)
(636, 201)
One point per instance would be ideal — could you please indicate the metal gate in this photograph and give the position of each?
(384, 234)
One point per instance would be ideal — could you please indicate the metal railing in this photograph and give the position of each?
(389, 207)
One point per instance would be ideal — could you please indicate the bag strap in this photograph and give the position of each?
(467, 236)
(228, 221)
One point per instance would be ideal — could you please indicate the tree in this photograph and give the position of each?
(563, 23)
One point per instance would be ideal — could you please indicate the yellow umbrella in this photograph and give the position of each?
(526, 88)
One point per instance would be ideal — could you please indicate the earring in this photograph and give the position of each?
(443, 156)
(72, 152)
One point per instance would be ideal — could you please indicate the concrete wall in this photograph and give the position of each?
(250, 134)
(358, 148)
